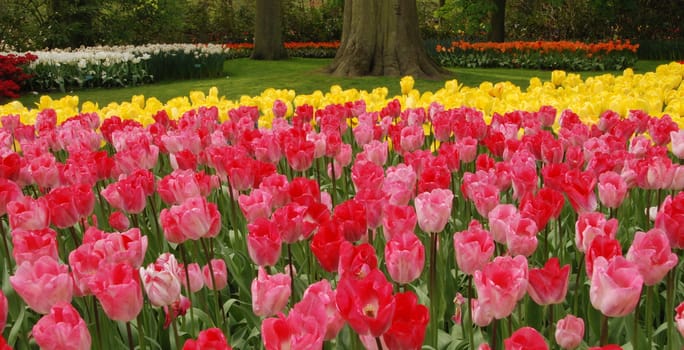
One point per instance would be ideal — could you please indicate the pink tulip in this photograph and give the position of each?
(270, 293)
(404, 257)
(296, 331)
(522, 240)
(321, 293)
(677, 139)
(670, 219)
(525, 338)
(208, 339)
(263, 242)
(195, 276)
(43, 283)
(501, 283)
(503, 219)
(399, 184)
(651, 253)
(615, 286)
(433, 209)
(398, 219)
(474, 247)
(220, 277)
(255, 205)
(9, 191)
(117, 288)
(590, 225)
(193, 219)
(278, 187)
(679, 318)
(482, 313)
(161, 282)
(612, 189)
(62, 328)
(412, 138)
(28, 213)
(119, 221)
(569, 332)
(549, 285)
(180, 185)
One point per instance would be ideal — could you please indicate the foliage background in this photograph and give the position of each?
(37, 24)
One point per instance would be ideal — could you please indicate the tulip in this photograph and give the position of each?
(62, 328)
(569, 332)
(615, 286)
(193, 219)
(208, 339)
(3, 310)
(31, 245)
(270, 293)
(28, 213)
(409, 323)
(651, 253)
(612, 189)
(404, 257)
(196, 277)
(325, 245)
(296, 331)
(263, 242)
(433, 209)
(525, 338)
(549, 285)
(43, 283)
(590, 225)
(161, 282)
(117, 288)
(321, 294)
(474, 248)
(367, 304)
(220, 274)
(501, 283)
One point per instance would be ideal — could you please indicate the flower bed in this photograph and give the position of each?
(348, 218)
(294, 49)
(109, 66)
(12, 74)
(566, 55)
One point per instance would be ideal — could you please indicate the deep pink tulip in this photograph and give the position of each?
(351, 217)
(366, 174)
(670, 219)
(549, 284)
(70, 204)
(9, 191)
(525, 338)
(367, 303)
(256, 204)
(296, 331)
(31, 245)
(601, 246)
(404, 257)
(398, 219)
(180, 185)
(129, 194)
(522, 240)
(193, 219)
(679, 318)
(220, 277)
(270, 293)
(651, 253)
(117, 288)
(615, 286)
(474, 247)
(43, 283)
(263, 242)
(501, 283)
(433, 209)
(569, 332)
(61, 329)
(119, 221)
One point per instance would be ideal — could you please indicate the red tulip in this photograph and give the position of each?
(9, 191)
(357, 261)
(62, 328)
(325, 245)
(70, 204)
(525, 338)
(549, 285)
(208, 339)
(615, 286)
(601, 246)
(545, 205)
(119, 221)
(43, 283)
(366, 303)
(351, 217)
(409, 323)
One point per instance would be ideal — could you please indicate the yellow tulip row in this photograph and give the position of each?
(658, 93)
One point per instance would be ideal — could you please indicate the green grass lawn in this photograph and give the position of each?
(248, 77)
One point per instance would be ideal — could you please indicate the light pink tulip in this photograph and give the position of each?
(569, 332)
(161, 282)
(612, 189)
(651, 253)
(615, 286)
(474, 247)
(218, 266)
(590, 225)
(404, 257)
(43, 283)
(62, 329)
(433, 209)
(270, 293)
(501, 284)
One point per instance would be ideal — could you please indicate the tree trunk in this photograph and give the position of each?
(268, 36)
(498, 29)
(381, 37)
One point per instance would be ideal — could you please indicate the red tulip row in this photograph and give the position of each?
(339, 234)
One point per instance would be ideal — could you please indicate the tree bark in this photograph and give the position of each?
(498, 20)
(381, 37)
(268, 36)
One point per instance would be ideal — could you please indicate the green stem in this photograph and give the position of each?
(604, 330)
(292, 277)
(5, 245)
(432, 290)
(219, 308)
(669, 310)
(578, 280)
(176, 336)
(130, 336)
(187, 286)
(333, 195)
(96, 316)
(469, 326)
(649, 315)
(550, 327)
(141, 331)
